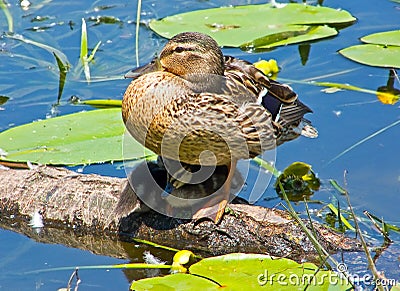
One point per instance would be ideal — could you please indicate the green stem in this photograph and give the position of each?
(139, 9)
(371, 264)
(3, 6)
(310, 236)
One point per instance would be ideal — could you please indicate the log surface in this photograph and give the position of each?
(89, 211)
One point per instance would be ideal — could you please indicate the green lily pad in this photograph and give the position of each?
(386, 38)
(374, 55)
(292, 34)
(298, 180)
(80, 138)
(174, 282)
(381, 50)
(240, 25)
(262, 272)
(249, 271)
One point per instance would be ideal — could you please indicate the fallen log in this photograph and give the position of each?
(94, 212)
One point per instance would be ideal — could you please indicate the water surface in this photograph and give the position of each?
(30, 77)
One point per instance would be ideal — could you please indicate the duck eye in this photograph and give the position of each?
(179, 49)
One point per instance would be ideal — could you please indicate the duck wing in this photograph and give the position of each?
(256, 81)
(279, 99)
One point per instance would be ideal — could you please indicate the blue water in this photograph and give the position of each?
(29, 76)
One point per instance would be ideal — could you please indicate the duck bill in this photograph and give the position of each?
(153, 66)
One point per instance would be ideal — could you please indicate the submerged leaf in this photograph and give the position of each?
(39, 18)
(46, 47)
(103, 7)
(261, 26)
(105, 20)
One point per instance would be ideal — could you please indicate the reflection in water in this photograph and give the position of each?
(389, 94)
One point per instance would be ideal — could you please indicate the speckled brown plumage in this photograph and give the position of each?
(165, 108)
(193, 105)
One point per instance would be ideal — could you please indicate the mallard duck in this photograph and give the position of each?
(194, 105)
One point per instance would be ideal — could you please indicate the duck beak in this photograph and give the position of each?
(153, 66)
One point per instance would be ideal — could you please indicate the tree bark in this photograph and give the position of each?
(100, 211)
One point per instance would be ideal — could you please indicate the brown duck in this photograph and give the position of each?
(194, 105)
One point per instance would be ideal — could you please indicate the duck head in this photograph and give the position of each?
(185, 54)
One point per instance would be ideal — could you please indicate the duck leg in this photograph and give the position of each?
(214, 209)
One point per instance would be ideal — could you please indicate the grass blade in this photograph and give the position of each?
(63, 68)
(84, 46)
(340, 216)
(139, 9)
(382, 95)
(388, 225)
(371, 264)
(91, 57)
(149, 243)
(337, 187)
(84, 51)
(46, 47)
(99, 103)
(98, 267)
(364, 140)
(382, 229)
(267, 166)
(3, 6)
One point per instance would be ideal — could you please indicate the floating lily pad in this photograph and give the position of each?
(174, 282)
(374, 55)
(292, 34)
(298, 180)
(248, 271)
(80, 138)
(381, 50)
(384, 38)
(240, 26)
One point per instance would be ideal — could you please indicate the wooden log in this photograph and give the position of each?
(99, 210)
